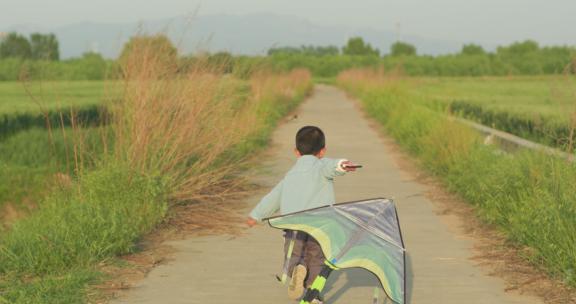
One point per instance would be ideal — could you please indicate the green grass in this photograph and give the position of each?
(52, 95)
(529, 196)
(58, 247)
(51, 289)
(30, 160)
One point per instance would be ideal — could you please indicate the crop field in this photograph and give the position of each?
(19, 97)
(538, 108)
(522, 95)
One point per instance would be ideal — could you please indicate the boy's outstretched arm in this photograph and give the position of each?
(268, 205)
(335, 167)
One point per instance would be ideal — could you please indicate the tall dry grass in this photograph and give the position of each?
(183, 124)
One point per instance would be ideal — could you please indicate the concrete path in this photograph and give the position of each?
(222, 270)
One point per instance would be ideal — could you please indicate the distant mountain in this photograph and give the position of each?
(239, 34)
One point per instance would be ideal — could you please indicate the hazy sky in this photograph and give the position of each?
(491, 21)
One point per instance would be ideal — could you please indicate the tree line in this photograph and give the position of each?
(519, 58)
(37, 57)
(38, 46)
(356, 46)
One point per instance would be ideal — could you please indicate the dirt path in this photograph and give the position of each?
(241, 270)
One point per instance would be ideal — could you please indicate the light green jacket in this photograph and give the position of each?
(309, 184)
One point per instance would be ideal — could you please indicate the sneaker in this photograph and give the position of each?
(296, 287)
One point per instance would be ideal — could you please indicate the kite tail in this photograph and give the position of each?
(313, 292)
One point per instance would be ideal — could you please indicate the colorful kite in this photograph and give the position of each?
(363, 234)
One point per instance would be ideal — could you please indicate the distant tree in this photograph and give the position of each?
(558, 59)
(153, 49)
(357, 46)
(519, 48)
(522, 58)
(472, 49)
(15, 46)
(400, 48)
(93, 66)
(44, 46)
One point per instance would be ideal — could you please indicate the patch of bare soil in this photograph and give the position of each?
(492, 251)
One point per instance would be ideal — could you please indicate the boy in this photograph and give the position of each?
(309, 184)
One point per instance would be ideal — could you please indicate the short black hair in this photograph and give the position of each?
(310, 140)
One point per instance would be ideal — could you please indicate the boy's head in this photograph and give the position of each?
(310, 140)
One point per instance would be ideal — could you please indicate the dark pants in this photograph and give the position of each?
(307, 252)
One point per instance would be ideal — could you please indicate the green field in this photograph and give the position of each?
(539, 108)
(543, 95)
(19, 97)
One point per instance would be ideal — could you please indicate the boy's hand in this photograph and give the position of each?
(251, 222)
(348, 166)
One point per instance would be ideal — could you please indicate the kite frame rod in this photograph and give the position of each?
(375, 232)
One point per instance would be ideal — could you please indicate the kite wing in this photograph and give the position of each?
(362, 234)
